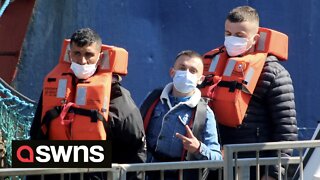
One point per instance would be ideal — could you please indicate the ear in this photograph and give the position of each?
(201, 79)
(171, 72)
(256, 38)
(69, 55)
(101, 56)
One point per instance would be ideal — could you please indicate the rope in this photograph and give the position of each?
(16, 115)
(4, 6)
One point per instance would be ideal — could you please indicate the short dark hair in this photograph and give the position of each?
(85, 36)
(243, 13)
(189, 53)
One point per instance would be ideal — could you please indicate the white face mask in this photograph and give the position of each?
(184, 81)
(236, 45)
(83, 71)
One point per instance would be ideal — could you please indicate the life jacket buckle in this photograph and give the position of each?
(67, 117)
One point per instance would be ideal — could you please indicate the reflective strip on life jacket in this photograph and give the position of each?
(62, 88)
(229, 68)
(105, 62)
(81, 96)
(262, 41)
(248, 76)
(66, 55)
(214, 63)
(105, 104)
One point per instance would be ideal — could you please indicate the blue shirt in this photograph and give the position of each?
(170, 116)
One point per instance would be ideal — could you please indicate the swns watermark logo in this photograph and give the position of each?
(61, 154)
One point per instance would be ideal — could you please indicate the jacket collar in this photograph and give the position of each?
(192, 102)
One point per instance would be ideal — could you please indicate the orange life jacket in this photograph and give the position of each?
(230, 81)
(79, 110)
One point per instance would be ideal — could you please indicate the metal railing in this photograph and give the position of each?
(119, 171)
(231, 150)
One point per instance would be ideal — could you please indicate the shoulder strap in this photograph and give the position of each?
(200, 119)
(198, 124)
(148, 106)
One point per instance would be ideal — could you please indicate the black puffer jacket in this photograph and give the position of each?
(271, 115)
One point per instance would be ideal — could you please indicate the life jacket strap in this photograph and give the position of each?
(48, 117)
(210, 56)
(148, 106)
(233, 85)
(93, 113)
(56, 111)
(147, 118)
(208, 81)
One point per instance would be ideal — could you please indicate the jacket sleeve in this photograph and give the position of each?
(281, 104)
(125, 128)
(35, 130)
(282, 107)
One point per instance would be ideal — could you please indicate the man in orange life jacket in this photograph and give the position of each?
(271, 114)
(169, 134)
(125, 125)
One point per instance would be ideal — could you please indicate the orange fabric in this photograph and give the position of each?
(96, 97)
(114, 59)
(276, 43)
(207, 61)
(230, 107)
(230, 103)
(60, 89)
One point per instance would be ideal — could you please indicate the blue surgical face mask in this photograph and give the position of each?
(184, 81)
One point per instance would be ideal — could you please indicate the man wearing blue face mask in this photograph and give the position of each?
(172, 123)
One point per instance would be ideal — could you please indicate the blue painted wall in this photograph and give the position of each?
(155, 31)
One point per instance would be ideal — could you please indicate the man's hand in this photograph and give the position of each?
(190, 143)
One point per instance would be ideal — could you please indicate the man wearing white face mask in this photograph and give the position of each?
(236, 46)
(271, 114)
(124, 126)
(84, 54)
(171, 129)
